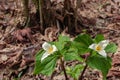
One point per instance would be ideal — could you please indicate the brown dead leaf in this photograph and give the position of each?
(115, 70)
(51, 33)
(116, 60)
(2, 45)
(26, 61)
(21, 35)
(15, 59)
(4, 57)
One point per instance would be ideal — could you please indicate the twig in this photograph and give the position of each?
(40, 13)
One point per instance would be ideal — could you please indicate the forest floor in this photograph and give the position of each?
(19, 46)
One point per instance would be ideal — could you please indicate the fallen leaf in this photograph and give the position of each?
(4, 57)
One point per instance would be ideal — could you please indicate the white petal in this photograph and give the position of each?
(54, 48)
(46, 46)
(44, 55)
(92, 46)
(103, 53)
(104, 43)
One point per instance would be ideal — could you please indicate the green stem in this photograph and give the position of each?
(81, 76)
(63, 68)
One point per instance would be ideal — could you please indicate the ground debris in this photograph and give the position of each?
(20, 35)
(115, 70)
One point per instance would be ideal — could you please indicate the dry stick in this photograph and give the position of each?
(26, 12)
(40, 13)
(63, 68)
(75, 13)
(76, 18)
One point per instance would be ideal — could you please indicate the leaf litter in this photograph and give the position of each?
(19, 46)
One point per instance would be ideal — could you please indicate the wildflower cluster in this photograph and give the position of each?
(66, 50)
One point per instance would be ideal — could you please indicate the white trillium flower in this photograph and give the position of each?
(49, 49)
(100, 47)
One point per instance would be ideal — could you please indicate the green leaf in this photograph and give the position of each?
(39, 55)
(62, 40)
(38, 61)
(99, 38)
(84, 39)
(47, 66)
(81, 47)
(100, 63)
(77, 70)
(74, 71)
(111, 48)
(72, 54)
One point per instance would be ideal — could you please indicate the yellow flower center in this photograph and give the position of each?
(98, 48)
(50, 50)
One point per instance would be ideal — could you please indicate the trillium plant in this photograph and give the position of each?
(92, 53)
